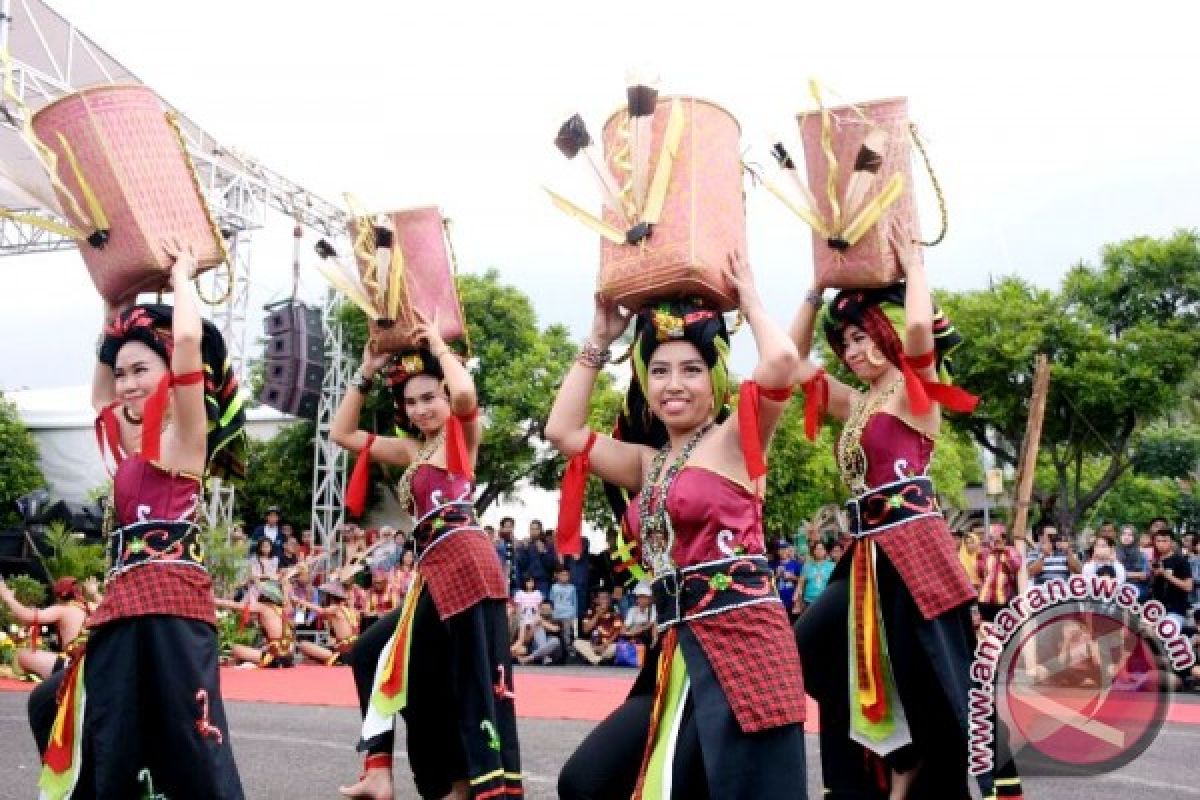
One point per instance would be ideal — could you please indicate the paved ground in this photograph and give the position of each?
(290, 752)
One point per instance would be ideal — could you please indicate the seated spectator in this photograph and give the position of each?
(787, 574)
(599, 630)
(1137, 566)
(541, 639)
(237, 535)
(381, 597)
(271, 531)
(302, 589)
(564, 601)
(291, 553)
(1104, 562)
(405, 572)
(813, 578)
(528, 598)
(621, 601)
(263, 564)
(641, 621)
(308, 545)
(836, 551)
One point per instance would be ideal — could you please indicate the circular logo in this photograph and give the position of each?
(1081, 691)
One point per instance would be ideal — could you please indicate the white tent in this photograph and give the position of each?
(61, 421)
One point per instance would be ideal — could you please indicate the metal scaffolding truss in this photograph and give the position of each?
(329, 460)
(49, 58)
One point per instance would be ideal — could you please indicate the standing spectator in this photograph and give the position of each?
(291, 553)
(541, 638)
(814, 578)
(641, 621)
(1137, 566)
(536, 559)
(579, 568)
(528, 598)
(271, 531)
(1054, 560)
(288, 532)
(1171, 580)
(1146, 544)
(564, 602)
(1194, 560)
(996, 568)
(600, 628)
(506, 552)
(968, 556)
(601, 577)
(1104, 562)
(787, 575)
(263, 564)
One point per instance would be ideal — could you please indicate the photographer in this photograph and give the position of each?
(1055, 559)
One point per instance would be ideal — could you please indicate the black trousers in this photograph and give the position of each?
(930, 661)
(713, 758)
(454, 672)
(142, 676)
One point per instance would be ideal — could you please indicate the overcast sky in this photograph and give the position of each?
(1054, 127)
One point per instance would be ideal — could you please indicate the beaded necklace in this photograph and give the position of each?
(658, 536)
(852, 460)
(424, 455)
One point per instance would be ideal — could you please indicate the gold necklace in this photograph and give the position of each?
(852, 460)
(424, 455)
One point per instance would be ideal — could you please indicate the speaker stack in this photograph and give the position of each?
(295, 358)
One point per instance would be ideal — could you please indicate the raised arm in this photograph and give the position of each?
(344, 429)
(461, 386)
(918, 317)
(619, 463)
(778, 360)
(184, 441)
(24, 614)
(801, 332)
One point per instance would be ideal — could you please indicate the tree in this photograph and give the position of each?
(517, 368)
(19, 470)
(279, 472)
(1122, 341)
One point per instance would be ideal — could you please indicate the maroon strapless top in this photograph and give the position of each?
(713, 517)
(460, 567)
(143, 491)
(894, 449)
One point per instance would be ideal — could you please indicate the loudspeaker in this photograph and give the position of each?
(291, 400)
(287, 316)
(296, 345)
(303, 374)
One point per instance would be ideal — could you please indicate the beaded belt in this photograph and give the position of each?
(154, 542)
(711, 588)
(892, 504)
(443, 521)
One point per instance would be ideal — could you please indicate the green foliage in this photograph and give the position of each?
(229, 633)
(66, 554)
(225, 560)
(803, 475)
(1168, 451)
(280, 472)
(1137, 499)
(1123, 342)
(30, 592)
(19, 470)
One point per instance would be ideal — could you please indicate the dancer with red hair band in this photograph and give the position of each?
(139, 704)
(717, 710)
(894, 620)
(441, 660)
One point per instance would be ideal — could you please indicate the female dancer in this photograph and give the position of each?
(717, 710)
(441, 659)
(887, 646)
(143, 693)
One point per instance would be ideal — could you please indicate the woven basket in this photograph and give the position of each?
(877, 258)
(428, 281)
(703, 219)
(131, 157)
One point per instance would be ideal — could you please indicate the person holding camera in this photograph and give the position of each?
(1054, 560)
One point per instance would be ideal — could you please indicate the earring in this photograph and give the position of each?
(875, 358)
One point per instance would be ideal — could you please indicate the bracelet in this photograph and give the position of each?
(364, 383)
(592, 356)
(815, 298)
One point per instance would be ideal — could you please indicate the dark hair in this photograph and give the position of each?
(400, 369)
(507, 519)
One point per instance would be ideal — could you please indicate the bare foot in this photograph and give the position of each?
(375, 784)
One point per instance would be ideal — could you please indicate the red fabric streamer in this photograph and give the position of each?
(748, 427)
(458, 460)
(356, 492)
(922, 393)
(156, 408)
(816, 403)
(568, 535)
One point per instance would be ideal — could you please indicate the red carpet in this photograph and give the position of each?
(540, 695)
